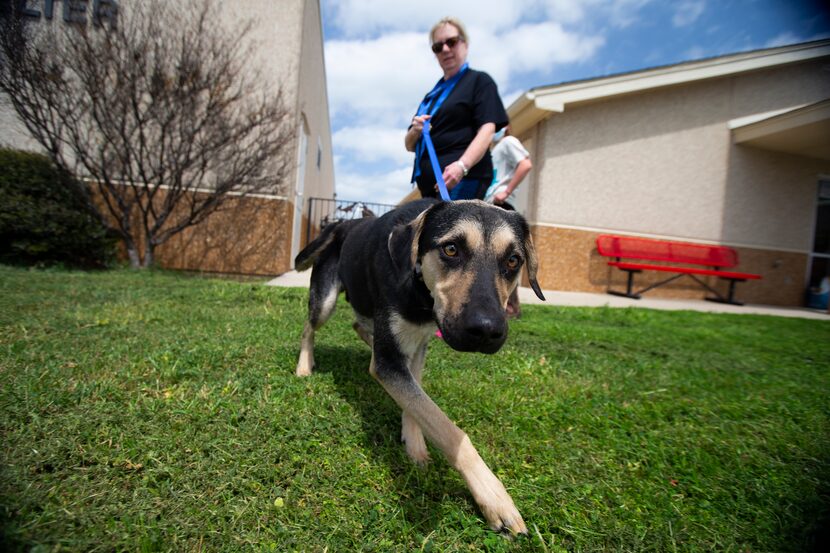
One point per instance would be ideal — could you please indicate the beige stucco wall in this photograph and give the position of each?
(312, 103)
(287, 57)
(276, 32)
(289, 52)
(663, 163)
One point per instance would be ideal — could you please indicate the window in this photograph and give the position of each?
(319, 154)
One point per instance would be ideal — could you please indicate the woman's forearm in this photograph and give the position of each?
(479, 146)
(522, 169)
(456, 171)
(413, 134)
(411, 139)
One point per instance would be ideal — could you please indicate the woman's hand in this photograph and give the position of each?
(418, 123)
(453, 174)
(415, 131)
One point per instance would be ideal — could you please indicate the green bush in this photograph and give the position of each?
(44, 220)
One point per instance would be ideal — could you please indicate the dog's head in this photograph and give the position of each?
(469, 255)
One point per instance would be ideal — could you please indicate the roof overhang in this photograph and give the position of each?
(803, 130)
(540, 103)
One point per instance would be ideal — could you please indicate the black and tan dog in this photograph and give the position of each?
(427, 263)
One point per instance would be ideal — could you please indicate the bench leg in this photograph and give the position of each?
(629, 293)
(730, 296)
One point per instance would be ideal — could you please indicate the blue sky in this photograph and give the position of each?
(379, 66)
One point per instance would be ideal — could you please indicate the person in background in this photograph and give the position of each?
(463, 110)
(511, 162)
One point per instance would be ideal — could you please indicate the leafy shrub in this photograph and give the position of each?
(44, 218)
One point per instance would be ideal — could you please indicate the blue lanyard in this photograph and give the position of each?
(441, 89)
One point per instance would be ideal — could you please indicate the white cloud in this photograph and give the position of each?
(566, 11)
(372, 144)
(388, 187)
(369, 82)
(537, 47)
(687, 12)
(361, 18)
(618, 13)
(380, 80)
(625, 13)
(368, 18)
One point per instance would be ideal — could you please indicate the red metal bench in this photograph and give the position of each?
(705, 260)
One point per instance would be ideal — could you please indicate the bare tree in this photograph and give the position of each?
(157, 113)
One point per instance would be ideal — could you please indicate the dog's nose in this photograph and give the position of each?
(484, 328)
(478, 331)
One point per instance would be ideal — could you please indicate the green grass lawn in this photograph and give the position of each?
(159, 412)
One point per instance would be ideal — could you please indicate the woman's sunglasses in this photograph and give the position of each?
(450, 42)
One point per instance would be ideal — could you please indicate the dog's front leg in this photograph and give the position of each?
(411, 434)
(495, 503)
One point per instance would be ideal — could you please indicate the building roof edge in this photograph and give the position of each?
(541, 102)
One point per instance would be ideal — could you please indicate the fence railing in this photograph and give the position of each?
(323, 211)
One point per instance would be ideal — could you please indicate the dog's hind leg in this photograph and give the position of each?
(322, 299)
(411, 434)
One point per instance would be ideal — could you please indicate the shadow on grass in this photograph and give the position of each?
(819, 536)
(421, 490)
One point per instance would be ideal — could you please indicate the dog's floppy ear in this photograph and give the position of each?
(403, 244)
(532, 263)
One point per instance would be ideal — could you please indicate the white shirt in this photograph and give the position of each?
(506, 156)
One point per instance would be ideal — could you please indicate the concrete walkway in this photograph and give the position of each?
(583, 299)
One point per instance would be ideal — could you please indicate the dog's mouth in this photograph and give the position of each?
(482, 334)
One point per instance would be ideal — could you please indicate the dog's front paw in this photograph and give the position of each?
(503, 516)
(305, 364)
(495, 503)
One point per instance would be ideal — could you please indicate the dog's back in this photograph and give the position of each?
(330, 241)
(367, 267)
(346, 253)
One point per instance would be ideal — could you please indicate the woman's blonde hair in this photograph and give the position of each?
(455, 22)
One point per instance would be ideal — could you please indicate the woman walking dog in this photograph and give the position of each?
(464, 111)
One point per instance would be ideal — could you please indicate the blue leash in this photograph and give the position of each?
(436, 168)
(437, 95)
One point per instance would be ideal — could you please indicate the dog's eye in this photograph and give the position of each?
(450, 250)
(513, 262)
